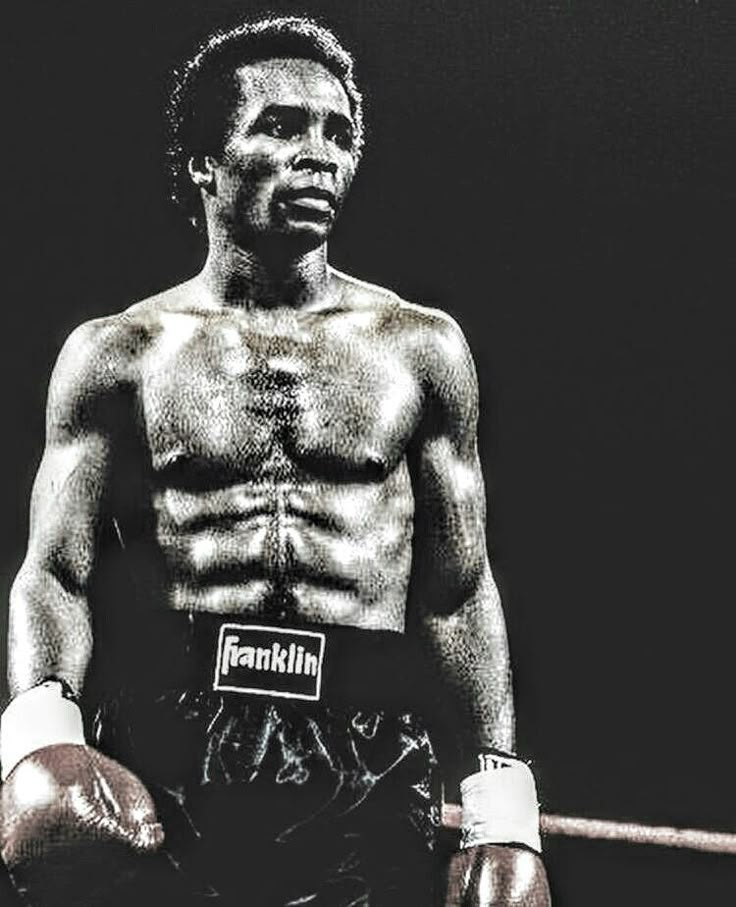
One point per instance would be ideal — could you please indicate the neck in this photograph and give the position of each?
(245, 278)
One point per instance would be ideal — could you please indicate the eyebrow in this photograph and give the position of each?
(331, 115)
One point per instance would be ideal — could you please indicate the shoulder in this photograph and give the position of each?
(438, 343)
(431, 335)
(445, 364)
(180, 298)
(432, 343)
(92, 366)
(362, 296)
(100, 358)
(104, 351)
(97, 354)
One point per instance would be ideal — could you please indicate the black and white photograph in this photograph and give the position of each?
(368, 488)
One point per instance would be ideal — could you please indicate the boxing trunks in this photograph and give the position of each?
(289, 765)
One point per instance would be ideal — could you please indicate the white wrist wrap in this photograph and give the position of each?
(500, 806)
(36, 718)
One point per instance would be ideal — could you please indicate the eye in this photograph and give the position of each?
(340, 132)
(281, 124)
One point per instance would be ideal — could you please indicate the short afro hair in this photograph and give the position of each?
(205, 91)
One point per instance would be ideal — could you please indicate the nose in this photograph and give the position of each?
(315, 155)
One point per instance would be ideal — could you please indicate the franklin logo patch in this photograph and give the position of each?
(269, 661)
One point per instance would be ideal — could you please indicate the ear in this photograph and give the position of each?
(201, 169)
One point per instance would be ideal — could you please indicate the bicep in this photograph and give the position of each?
(450, 527)
(457, 609)
(49, 626)
(69, 489)
(449, 488)
(66, 503)
(455, 604)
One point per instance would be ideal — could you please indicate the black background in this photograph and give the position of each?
(557, 176)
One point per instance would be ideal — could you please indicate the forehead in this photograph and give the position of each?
(290, 82)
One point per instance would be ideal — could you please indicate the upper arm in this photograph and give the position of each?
(448, 483)
(454, 604)
(49, 631)
(69, 489)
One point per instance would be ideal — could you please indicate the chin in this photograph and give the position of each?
(290, 238)
(306, 233)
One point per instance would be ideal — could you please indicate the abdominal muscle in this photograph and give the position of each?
(333, 553)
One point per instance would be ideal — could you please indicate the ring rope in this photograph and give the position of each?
(629, 832)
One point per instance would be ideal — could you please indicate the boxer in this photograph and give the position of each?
(282, 459)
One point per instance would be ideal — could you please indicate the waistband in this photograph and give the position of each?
(243, 656)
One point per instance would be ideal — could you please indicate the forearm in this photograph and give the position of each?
(49, 631)
(471, 660)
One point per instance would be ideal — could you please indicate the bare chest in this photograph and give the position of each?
(259, 405)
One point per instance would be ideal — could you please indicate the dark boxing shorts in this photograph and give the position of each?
(288, 766)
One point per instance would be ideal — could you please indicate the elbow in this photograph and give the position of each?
(49, 630)
(463, 588)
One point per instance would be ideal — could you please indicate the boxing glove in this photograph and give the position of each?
(489, 875)
(71, 819)
(499, 863)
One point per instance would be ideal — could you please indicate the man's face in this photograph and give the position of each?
(289, 158)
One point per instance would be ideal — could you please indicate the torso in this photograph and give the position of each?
(279, 480)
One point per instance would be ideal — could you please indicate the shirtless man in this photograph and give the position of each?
(285, 458)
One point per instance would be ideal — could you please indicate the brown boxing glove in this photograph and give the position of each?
(71, 819)
(492, 875)
(499, 863)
